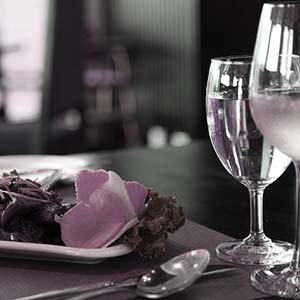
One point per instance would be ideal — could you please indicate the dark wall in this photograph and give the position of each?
(68, 55)
(63, 90)
(228, 27)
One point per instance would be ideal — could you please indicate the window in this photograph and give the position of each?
(23, 26)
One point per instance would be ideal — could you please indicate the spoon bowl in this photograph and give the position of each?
(174, 275)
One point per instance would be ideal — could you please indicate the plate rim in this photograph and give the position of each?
(80, 160)
(58, 253)
(69, 163)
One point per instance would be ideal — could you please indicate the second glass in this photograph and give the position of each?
(246, 155)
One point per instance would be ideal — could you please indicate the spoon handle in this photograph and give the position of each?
(75, 290)
(125, 287)
(95, 293)
(62, 293)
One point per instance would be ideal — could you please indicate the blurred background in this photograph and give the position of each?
(92, 75)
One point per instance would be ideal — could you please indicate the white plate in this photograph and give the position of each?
(60, 253)
(41, 166)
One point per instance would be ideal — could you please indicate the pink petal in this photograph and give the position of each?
(137, 194)
(91, 225)
(116, 184)
(88, 181)
(106, 207)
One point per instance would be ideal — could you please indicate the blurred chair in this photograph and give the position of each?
(111, 114)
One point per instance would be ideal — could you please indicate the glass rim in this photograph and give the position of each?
(282, 3)
(233, 59)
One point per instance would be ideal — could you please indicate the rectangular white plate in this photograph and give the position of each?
(60, 253)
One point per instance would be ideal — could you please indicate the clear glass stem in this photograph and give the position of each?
(256, 236)
(295, 264)
(256, 248)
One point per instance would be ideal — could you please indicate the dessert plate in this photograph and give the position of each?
(42, 166)
(60, 253)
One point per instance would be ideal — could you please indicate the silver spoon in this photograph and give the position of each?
(221, 269)
(171, 277)
(218, 269)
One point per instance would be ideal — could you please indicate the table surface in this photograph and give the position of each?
(209, 196)
(25, 277)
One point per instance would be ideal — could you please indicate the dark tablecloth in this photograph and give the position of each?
(24, 277)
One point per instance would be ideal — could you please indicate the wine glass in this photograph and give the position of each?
(246, 155)
(275, 105)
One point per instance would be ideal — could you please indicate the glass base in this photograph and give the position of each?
(268, 253)
(278, 281)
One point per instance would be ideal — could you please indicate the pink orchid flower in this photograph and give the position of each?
(106, 207)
